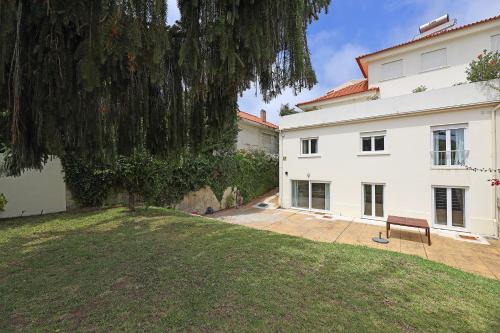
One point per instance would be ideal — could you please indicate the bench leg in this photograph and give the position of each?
(387, 229)
(428, 232)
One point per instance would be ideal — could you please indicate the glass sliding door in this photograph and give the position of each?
(310, 195)
(320, 196)
(457, 207)
(373, 200)
(441, 205)
(367, 199)
(300, 194)
(449, 207)
(379, 200)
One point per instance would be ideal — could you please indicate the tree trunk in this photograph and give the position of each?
(131, 201)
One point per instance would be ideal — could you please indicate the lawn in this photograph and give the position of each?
(159, 270)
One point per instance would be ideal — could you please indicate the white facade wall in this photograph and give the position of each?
(406, 170)
(35, 192)
(255, 137)
(461, 48)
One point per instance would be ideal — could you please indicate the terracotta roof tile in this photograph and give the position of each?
(255, 119)
(356, 88)
(432, 35)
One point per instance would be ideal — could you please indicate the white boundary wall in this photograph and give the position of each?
(35, 192)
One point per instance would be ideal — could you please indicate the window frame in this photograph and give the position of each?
(394, 77)
(449, 208)
(423, 70)
(309, 208)
(373, 201)
(447, 129)
(309, 154)
(372, 136)
(491, 42)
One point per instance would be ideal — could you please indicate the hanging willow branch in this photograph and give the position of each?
(105, 77)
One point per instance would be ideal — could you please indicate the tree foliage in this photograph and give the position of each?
(286, 110)
(103, 78)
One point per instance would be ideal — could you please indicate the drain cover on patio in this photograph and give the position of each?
(468, 237)
(263, 205)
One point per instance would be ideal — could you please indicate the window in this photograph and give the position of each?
(309, 146)
(373, 141)
(434, 59)
(449, 207)
(392, 70)
(373, 200)
(495, 43)
(267, 139)
(310, 195)
(448, 146)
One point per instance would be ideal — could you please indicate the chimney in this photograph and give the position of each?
(263, 115)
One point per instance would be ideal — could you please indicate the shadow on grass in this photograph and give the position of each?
(157, 269)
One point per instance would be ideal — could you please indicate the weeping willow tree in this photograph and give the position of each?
(105, 77)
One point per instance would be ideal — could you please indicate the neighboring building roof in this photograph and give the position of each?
(255, 119)
(357, 87)
(426, 37)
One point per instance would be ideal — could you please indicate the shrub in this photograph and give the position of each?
(252, 172)
(138, 174)
(419, 89)
(164, 182)
(485, 67)
(3, 202)
(90, 182)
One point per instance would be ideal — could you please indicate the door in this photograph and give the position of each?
(373, 200)
(449, 207)
(311, 195)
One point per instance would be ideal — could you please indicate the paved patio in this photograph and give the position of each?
(472, 257)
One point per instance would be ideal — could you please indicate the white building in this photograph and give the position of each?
(373, 148)
(35, 192)
(257, 133)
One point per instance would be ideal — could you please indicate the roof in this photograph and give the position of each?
(352, 89)
(429, 36)
(255, 119)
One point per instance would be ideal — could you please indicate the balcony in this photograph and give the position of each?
(449, 158)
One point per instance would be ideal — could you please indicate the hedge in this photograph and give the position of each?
(164, 182)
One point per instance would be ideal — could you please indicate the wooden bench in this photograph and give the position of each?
(409, 222)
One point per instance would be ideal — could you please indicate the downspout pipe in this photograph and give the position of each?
(494, 155)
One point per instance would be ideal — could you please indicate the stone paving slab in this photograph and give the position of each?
(476, 258)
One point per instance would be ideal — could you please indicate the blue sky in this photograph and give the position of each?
(355, 27)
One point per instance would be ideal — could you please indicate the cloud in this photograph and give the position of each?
(339, 66)
(333, 66)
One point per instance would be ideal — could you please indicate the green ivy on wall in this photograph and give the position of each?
(163, 182)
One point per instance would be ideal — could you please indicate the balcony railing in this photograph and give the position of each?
(449, 157)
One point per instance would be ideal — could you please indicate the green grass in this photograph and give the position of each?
(159, 270)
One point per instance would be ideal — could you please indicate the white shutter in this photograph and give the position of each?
(495, 42)
(433, 59)
(392, 70)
